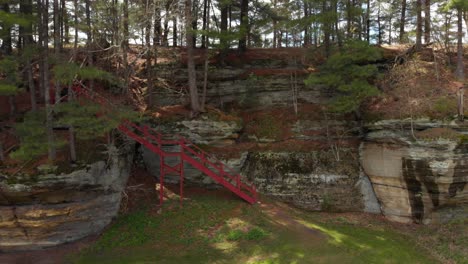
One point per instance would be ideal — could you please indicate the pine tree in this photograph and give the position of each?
(9, 80)
(33, 136)
(349, 74)
(91, 120)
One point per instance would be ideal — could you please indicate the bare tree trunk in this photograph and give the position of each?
(26, 9)
(402, 21)
(89, 38)
(326, 31)
(379, 26)
(149, 66)
(29, 72)
(192, 77)
(125, 45)
(224, 25)
(115, 22)
(244, 24)
(460, 71)
(348, 18)
(72, 143)
(306, 27)
(40, 45)
(165, 30)
(71, 96)
(316, 34)
(390, 18)
(32, 88)
(45, 68)
(418, 24)
(207, 53)
(174, 32)
(157, 25)
(25, 31)
(6, 47)
(165, 41)
(89, 34)
(275, 30)
(66, 24)
(447, 24)
(427, 21)
(465, 16)
(75, 23)
(204, 23)
(368, 21)
(56, 45)
(335, 24)
(230, 16)
(194, 22)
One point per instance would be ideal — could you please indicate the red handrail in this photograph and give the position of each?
(154, 140)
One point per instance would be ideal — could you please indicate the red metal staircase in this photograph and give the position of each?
(188, 153)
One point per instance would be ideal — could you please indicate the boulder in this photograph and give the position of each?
(421, 181)
(46, 210)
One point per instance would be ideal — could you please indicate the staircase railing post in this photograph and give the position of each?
(221, 170)
(181, 143)
(161, 180)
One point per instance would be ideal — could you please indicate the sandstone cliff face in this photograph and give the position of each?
(48, 210)
(258, 81)
(314, 173)
(295, 148)
(313, 180)
(421, 181)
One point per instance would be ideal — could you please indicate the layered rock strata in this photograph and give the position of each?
(47, 210)
(417, 180)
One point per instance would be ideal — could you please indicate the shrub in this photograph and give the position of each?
(445, 107)
(234, 235)
(256, 233)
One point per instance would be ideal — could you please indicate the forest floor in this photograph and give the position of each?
(213, 226)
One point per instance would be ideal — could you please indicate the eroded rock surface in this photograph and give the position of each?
(417, 180)
(314, 180)
(48, 210)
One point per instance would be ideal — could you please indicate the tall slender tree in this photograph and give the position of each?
(244, 24)
(149, 53)
(89, 38)
(419, 24)
(402, 36)
(43, 8)
(192, 75)
(427, 21)
(460, 7)
(124, 45)
(6, 47)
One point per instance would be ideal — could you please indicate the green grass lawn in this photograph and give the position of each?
(210, 229)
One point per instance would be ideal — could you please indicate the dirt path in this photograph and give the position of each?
(279, 212)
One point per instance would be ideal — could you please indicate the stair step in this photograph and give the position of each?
(190, 153)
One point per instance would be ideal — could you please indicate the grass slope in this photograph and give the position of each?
(210, 229)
